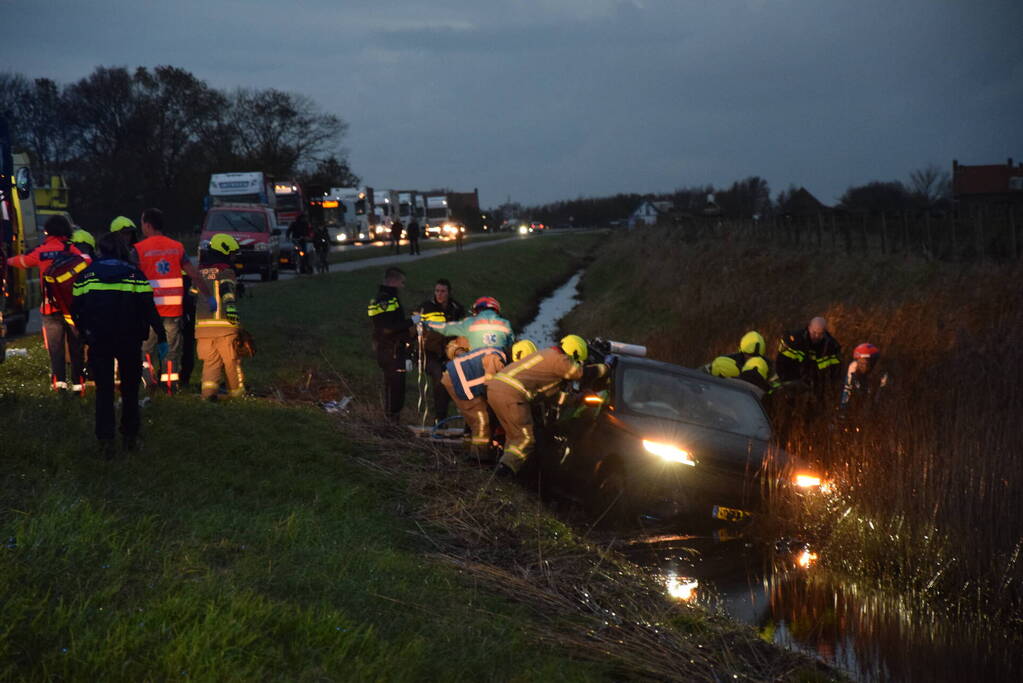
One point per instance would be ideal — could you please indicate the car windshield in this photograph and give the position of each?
(672, 396)
(288, 202)
(236, 221)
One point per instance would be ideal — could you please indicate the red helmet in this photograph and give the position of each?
(867, 352)
(487, 302)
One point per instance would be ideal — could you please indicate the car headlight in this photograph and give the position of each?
(805, 480)
(668, 452)
(262, 246)
(523, 230)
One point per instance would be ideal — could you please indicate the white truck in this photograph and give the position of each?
(439, 220)
(252, 187)
(385, 212)
(351, 215)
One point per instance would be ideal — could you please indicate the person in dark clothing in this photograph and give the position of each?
(391, 337)
(187, 334)
(811, 355)
(440, 308)
(413, 237)
(301, 232)
(396, 228)
(114, 309)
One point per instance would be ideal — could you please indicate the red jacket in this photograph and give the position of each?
(40, 258)
(160, 258)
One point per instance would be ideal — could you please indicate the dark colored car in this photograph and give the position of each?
(659, 440)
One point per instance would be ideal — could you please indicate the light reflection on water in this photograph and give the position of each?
(795, 603)
(543, 330)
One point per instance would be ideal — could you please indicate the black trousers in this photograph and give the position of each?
(57, 333)
(394, 386)
(413, 246)
(128, 355)
(441, 397)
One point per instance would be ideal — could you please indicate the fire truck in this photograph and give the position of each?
(18, 234)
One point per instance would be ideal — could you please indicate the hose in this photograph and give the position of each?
(421, 381)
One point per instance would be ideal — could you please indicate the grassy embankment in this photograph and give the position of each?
(927, 494)
(265, 539)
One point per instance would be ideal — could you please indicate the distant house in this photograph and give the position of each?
(649, 212)
(974, 186)
(801, 203)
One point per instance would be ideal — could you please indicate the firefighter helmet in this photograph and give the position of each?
(723, 366)
(522, 348)
(486, 302)
(120, 223)
(866, 352)
(225, 244)
(756, 364)
(80, 236)
(575, 346)
(752, 343)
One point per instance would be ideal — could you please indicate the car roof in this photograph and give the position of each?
(661, 366)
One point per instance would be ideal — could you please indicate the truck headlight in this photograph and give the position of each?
(668, 452)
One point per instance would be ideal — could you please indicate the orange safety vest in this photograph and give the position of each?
(160, 259)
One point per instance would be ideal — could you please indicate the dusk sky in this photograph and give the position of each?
(543, 100)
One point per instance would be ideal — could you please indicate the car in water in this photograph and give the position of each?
(659, 441)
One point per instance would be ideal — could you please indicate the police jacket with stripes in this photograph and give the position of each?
(434, 312)
(113, 301)
(390, 326)
(800, 358)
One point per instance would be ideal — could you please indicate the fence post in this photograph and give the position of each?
(953, 218)
(978, 220)
(834, 235)
(905, 232)
(866, 244)
(927, 232)
(1012, 232)
(884, 233)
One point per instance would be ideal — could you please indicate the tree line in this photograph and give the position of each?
(124, 140)
(928, 188)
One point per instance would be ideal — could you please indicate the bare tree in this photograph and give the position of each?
(930, 185)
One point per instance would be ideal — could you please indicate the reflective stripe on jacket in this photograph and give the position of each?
(539, 372)
(484, 329)
(161, 258)
(469, 373)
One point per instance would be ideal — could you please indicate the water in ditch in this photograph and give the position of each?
(780, 589)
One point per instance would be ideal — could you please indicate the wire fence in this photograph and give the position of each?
(981, 232)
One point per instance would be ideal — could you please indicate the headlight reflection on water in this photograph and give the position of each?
(681, 588)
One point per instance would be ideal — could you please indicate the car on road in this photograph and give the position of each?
(659, 441)
(255, 228)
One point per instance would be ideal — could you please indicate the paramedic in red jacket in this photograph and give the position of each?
(162, 260)
(58, 330)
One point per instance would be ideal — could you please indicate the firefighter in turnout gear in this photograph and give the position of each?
(216, 326)
(391, 339)
(810, 355)
(465, 379)
(59, 331)
(163, 261)
(114, 310)
(440, 308)
(512, 391)
(747, 364)
(865, 385)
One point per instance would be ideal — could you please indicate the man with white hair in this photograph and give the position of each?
(811, 355)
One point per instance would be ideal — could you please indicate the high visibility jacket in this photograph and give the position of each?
(390, 326)
(113, 301)
(434, 312)
(221, 280)
(469, 373)
(40, 258)
(486, 328)
(539, 373)
(800, 358)
(161, 258)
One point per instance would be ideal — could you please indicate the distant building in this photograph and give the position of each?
(801, 203)
(975, 186)
(649, 212)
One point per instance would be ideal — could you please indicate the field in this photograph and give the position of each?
(266, 539)
(926, 491)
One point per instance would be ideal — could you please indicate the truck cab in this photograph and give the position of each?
(243, 205)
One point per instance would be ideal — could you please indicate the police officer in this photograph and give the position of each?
(391, 339)
(810, 355)
(114, 310)
(512, 391)
(440, 308)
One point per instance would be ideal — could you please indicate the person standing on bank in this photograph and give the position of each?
(391, 337)
(396, 228)
(114, 310)
(441, 308)
(413, 236)
(163, 261)
(216, 327)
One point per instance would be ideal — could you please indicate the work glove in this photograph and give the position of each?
(416, 318)
(162, 349)
(212, 301)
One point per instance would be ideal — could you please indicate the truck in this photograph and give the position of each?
(351, 213)
(291, 201)
(251, 187)
(18, 234)
(410, 205)
(52, 200)
(385, 212)
(244, 206)
(448, 213)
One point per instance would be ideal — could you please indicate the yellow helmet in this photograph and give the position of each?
(85, 236)
(120, 223)
(723, 366)
(575, 346)
(522, 348)
(753, 343)
(758, 364)
(225, 244)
